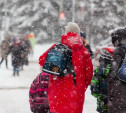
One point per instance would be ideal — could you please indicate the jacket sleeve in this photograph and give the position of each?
(115, 64)
(9, 50)
(89, 69)
(95, 84)
(32, 93)
(42, 58)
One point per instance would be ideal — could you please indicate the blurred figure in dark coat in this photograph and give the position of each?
(27, 47)
(17, 51)
(86, 45)
(117, 88)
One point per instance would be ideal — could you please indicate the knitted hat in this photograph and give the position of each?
(72, 27)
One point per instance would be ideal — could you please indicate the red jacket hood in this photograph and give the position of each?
(72, 40)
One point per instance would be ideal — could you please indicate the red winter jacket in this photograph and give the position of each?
(64, 96)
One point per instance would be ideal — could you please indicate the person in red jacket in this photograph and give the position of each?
(63, 95)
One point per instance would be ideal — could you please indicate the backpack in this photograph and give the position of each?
(59, 62)
(122, 71)
(38, 97)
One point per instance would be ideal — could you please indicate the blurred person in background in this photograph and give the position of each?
(32, 39)
(27, 47)
(86, 45)
(4, 48)
(17, 51)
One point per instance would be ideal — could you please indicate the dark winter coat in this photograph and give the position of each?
(26, 44)
(116, 88)
(38, 94)
(27, 47)
(64, 96)
(17, 51)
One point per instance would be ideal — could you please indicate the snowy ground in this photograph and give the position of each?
(14, 90)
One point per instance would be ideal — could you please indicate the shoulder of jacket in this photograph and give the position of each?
(86, 52)
(119, 51)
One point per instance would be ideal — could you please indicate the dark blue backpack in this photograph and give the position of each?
(59, 61)
(122, 70)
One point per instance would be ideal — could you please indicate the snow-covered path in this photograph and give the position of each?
(90, 103)
(14, 90)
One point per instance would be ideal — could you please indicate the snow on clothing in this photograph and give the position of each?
(17, 54)
(64, 96)
(98, 82)
(116, 88)
(38, 94)
(98, 85)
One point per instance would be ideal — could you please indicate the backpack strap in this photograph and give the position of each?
(71, 70)
(74, 77)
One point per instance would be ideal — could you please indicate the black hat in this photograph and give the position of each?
(119, 35)
(82, 34)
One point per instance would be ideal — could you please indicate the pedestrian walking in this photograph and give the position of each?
(64, 96)
(116, 88)
(32, 39)
(17, 51)
(98, 82)
(3, 49)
